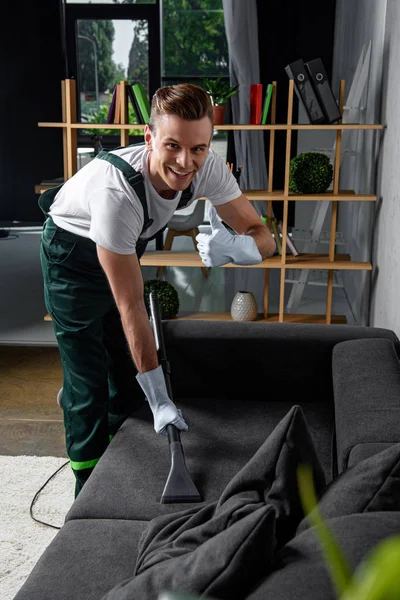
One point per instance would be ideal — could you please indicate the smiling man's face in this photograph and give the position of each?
(178, 150)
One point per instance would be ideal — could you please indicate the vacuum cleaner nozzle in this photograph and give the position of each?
(179, 486)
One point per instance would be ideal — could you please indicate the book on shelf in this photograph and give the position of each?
(143, 101)
(135, 104)
(289, 243)
(267, 102)
(305, 91)
(276, 235)
(327, 100)
(117, 113)
(111, 110)
(255, 103)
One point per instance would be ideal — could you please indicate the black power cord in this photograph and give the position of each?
(5, 235)
(36, 496)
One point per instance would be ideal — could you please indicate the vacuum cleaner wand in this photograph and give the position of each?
(179, 486)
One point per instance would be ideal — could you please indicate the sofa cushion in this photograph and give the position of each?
(222, 548)
(223, 435)
(301, 569)
(369, 486)
(84, 560)
(360, 452)
(366, 383)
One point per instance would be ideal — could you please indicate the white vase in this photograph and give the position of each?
(244, 307)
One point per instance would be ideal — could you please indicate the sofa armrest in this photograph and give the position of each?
(366, 389)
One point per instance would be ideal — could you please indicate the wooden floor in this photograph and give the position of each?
(30, 419)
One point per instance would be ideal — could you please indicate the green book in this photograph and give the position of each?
(142, 100)
(267, 102)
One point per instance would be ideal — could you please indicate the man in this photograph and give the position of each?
(96, 229)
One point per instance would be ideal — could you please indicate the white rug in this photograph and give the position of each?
(23, 540)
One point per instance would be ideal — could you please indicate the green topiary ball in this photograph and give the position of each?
(168, 299)
(310, 173)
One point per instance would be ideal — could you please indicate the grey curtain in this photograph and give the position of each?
(241, 32)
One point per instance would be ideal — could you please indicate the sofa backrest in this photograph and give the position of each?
(256, 361)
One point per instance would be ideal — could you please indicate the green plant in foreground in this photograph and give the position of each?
(167, 295)
(219, 90)
(378, 575)
(310, 173)
(338, 564)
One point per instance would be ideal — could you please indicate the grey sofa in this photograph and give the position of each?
(236, 382)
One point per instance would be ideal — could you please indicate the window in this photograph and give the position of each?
(109, 51)
(194, 41)
(112, 40)
(194, 46)
(107, 42)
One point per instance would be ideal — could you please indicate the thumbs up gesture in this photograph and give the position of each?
(222, 247)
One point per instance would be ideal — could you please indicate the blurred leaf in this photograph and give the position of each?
(378, 576)
(338, 565)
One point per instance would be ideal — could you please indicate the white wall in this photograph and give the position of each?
(385, 309)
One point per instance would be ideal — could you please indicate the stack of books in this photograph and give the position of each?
(313, 90)
(258, 111)
(139, 100)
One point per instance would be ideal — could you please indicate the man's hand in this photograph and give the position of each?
(222, 247)
(163, 409)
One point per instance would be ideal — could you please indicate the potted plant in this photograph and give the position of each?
(310, 173)
(220, 92)
(167, 297)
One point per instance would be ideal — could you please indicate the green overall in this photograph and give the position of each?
(99, 384)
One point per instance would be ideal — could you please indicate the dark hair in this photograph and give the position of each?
(186, 100)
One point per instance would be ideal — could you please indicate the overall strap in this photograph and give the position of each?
(46, 198)
(185, 198)
(186, 194)
(134, 178)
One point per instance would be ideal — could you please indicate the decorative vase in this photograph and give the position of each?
(219, 114)
(244, 307)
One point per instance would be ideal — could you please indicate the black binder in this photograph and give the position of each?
(305, 91)
(323, 90)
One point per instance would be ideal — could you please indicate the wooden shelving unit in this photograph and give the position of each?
(173, 258)
(330, 262)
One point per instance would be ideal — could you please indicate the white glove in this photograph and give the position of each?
(222, 247)
(163, 409)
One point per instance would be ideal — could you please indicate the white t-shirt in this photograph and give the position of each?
(99, 203)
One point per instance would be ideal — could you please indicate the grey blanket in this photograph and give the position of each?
(224, 548)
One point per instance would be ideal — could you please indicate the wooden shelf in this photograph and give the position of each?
(171, 258)
(341, 196)
(259, 195)
(272, 318)
(40, 188)
(295, 126)
(244, 126)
